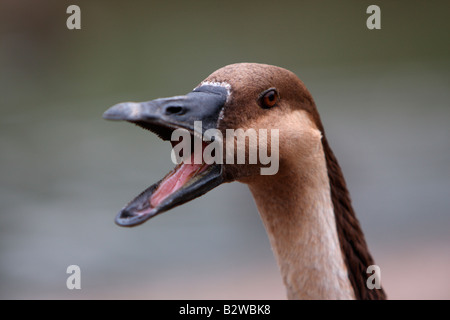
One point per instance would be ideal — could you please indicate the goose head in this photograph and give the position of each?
(245, 98)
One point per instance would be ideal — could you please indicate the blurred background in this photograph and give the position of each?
(384, 100)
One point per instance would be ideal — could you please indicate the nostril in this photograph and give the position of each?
(174, 110)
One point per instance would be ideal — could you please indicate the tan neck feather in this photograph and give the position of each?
(296, 208)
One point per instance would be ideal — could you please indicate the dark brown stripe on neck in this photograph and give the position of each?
(351, 237)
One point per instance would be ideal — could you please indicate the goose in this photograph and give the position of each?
(305, 206)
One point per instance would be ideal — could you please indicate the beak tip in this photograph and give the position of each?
(123, 111)
(106, 115)
(126, 218)
(114, 113)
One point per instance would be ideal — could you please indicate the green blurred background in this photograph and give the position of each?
(383, 96)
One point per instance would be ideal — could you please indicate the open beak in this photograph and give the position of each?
(187, 180)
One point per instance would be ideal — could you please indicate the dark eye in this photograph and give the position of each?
(268, 98)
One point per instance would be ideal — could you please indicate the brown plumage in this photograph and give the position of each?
(251, 79)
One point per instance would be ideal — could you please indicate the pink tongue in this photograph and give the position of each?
(175, 181)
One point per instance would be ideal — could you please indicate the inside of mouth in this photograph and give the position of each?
(179, 177)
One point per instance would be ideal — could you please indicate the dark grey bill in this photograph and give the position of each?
(162, 117)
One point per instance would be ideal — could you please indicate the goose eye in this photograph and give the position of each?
(268, 98)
